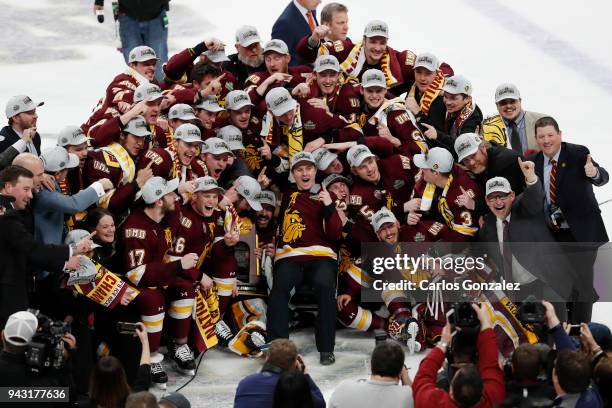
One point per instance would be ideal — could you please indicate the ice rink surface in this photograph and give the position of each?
(556, 52)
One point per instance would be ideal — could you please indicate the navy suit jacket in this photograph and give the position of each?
(290, 27)
(11, 137)
(574, 192)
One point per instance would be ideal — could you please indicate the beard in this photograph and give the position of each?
(252, 62)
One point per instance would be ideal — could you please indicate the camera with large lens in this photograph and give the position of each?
(46, 349)
(531, 311)
(463, 315)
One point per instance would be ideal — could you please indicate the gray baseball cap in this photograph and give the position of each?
(138, 127)
(382, 217)
(334, 178)
(210, 104)
(232, 136)
(148, 91)
(267, 197)
(498, 185)
(302, 157)
(157, 187)
(76, 235)
(20, 103)
(279, 101)
(323, 158)
(71, 136)
(215, 145)
(376, 28)
(466, 144)
(249, 189)
(141, 53)
(188, 133)
(247, 35)
(438, 159)
(326, 62)
(357, 154)
(57, 159)
(428, 61)
(216, 56)
(373, 77)
(457, 84)
(207, 183)
(181, 111)
(278, 46)
(507, 91)
(237, 99)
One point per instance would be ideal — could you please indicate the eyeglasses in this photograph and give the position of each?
(503, 197)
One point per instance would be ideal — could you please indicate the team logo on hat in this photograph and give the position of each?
(506, 90)
(147, 51)
(280, 100)
(158, 192)
(240, 97)
(27, 100)
(426, 59)
(451, 82)
(466, 89)
(15, 107)
(373, 77)
(496, 183)
(248, 34)
(378, 27)
(463, 146)
(64, 140)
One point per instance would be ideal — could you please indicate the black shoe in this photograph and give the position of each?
(158, 375)
(183, 359)
(224, 333)
(327, 358)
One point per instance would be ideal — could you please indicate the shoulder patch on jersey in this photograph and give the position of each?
(405, 162)
(253, 79)
(135, 233)
(309, 125)
(410, 58)
(110, 159)
(355, 200)
(98, 165)
(155, 158)
(229, 86)
(402, 118)
(354, 102)
(254, 120)
(435, 228)
(338, 46)
(186, 222)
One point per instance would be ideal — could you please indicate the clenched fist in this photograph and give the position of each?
(189, 261)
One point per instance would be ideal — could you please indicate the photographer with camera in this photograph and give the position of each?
(257, 390)
(35, 352)
(480, 385)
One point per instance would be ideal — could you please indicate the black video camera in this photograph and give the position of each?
(463, 315)
(46, 349)
(531, 311)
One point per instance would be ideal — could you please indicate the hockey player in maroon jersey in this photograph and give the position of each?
(201, 232)
(373, 52)
(74, 140)
(181, 160)
(290, 127)
(329, 89)
(377, 183)
(438, 208)
(146, 236)
(216, 155)
(117, 162)
(149, 101)
(389, 119)
(278, 72)
(306, 251)
(207, 110)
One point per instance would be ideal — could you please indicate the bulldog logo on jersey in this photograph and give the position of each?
(292, 227)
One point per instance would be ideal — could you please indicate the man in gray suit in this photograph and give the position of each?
(514, 127)
(542, 270)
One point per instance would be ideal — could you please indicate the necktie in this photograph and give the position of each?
(515, 138)
(311, 21)
(507, 254)
(552, 188)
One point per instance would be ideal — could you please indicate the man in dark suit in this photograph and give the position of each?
(542, 270)
(568, 173)
(20, 134)
(296, 21)
(19, 251)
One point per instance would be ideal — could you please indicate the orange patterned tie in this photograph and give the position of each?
(311, 21)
